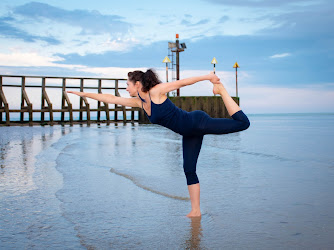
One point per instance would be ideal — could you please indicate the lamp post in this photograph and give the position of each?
(178, 50)
(236, 66)
(214, 62)
(166, 60)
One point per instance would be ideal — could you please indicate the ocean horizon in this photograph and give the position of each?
(93, 115)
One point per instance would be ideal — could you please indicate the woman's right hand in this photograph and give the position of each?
(77, 93)
(214, 78)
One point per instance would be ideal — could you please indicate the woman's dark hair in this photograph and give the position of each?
(148, 79)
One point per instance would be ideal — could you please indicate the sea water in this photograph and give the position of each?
(122, 186)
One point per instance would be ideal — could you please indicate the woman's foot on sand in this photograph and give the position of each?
(217, 88)
(194, 213)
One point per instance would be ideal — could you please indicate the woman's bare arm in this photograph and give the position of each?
(109, 98)
(170, 86)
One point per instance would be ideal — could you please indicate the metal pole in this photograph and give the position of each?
(177, 63)
(167, 77)
(236, 79)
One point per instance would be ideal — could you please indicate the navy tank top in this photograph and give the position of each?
(167, 114)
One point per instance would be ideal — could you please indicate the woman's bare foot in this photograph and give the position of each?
(194, 213)
(213, 78)
(217, 88)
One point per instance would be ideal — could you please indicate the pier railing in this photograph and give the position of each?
(66, 104)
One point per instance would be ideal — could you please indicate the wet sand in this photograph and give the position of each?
(124, 187)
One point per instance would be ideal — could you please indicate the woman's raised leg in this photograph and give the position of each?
(219, 126)
(239, 121)
(231, 106)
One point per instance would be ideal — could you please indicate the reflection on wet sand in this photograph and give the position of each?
(17, 158)
(17, 165)
(193, 241)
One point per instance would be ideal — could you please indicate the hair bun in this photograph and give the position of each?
(148, 79)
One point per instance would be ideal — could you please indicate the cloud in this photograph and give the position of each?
(91, 22)
(188, 23)
(113, 72)
(32, 59)
(223, 19)
(77, 31)
(10, 31)
(264, 3)
(285, 19)
(280, 55)
(303, 23)
(266, 99)
(119, 44)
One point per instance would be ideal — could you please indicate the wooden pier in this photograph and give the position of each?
(213, 105)
(66, 104)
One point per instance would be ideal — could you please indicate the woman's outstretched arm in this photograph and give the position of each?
(109, 98)
(170, 86)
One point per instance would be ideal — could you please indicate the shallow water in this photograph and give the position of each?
(123, 186)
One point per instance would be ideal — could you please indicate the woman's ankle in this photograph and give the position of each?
(196, 209)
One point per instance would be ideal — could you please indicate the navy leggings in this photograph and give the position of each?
(204, 124)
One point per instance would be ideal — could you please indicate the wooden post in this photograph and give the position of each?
(116, 106)
(43, 100)
(45, 108)
(99, 103)
(5, 104)
(132, 117)
(24, 98)
(23, 82)
(106, 107)
(81, 99)
(88, 110)
(1, 101)
(63, 101)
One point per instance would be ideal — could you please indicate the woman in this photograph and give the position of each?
(150, 95)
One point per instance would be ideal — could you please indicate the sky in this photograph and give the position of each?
(284, 48)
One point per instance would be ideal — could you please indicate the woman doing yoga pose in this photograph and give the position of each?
(150, 95)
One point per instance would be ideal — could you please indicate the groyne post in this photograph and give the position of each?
(44, 108)
(24, 98)
(3, 104)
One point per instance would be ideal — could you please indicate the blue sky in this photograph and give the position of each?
(284, 48)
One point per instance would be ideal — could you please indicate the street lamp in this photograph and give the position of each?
(166, 60)
(236, 66)
(214, 62)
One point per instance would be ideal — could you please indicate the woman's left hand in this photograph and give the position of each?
(82, 94)
(214, 78)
